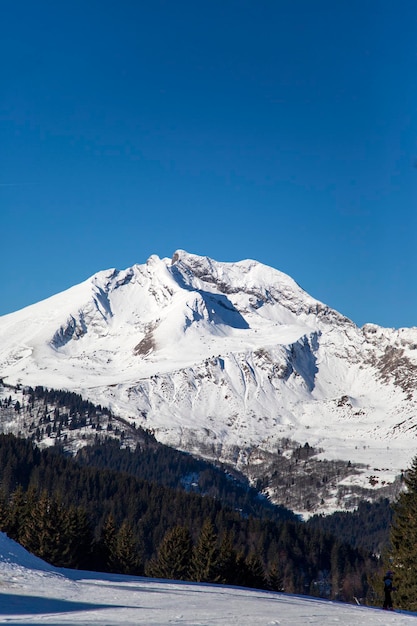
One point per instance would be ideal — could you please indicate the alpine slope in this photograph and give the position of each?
(230, 361)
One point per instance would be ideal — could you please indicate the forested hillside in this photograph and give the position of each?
(113, 498)
(168, 467)
(84, 517)
(62, 419)
(366, 528)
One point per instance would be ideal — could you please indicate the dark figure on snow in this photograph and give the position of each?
(388, 589)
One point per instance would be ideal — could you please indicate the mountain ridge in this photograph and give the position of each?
(227, 361)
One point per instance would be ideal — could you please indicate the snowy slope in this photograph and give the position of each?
(226, 360)
(34, 593)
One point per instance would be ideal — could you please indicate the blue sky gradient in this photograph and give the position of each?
(279, 130)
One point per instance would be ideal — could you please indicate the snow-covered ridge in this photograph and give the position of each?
(225, 359)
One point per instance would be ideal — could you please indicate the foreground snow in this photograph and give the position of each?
(32, 592)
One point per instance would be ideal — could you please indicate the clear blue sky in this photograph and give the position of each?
(279, 130)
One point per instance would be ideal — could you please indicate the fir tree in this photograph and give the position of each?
(205, 555)
(42, 533)
(275, 580)
(174, 556)
(255, 572)
(77, 538)
(124, 556)
(105, 547)
(18, 512)
(226, 562)
(4, 510)
(403, 556)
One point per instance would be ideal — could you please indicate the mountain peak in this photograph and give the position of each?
(225, 359)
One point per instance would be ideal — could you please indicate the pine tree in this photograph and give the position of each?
(105, 546)
(4, 510)
(403, 556)
(337, 569)
(42, 533)
(255, 572)
(19, 509)
(174, 556)
(77, 538)
(124, 555)
(242, 574)
(205, 561)
(275, 580)
(226, 562)
(62, 536)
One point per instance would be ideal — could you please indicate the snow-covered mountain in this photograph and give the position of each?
(231, 361)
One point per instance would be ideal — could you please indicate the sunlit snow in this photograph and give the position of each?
(226, 354)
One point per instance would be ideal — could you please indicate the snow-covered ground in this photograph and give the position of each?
(32, 592)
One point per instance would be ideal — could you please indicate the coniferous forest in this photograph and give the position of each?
(75, 513)
(401, 557)
(123, 502)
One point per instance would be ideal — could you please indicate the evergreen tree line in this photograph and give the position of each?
(121, 523)
(63, 411)
(166, 466)
(74, 402)
(368, 527)
(401, 554)
(51, 412)
(63, 536)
